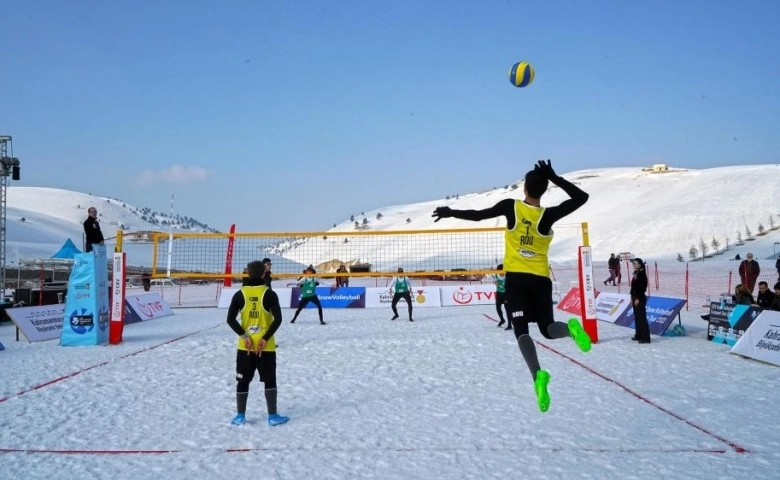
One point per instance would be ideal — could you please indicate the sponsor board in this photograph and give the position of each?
(38, 323)
(146, 306)
(85, 322)
(226, 295)
(729, 322)
(467, 295)
(421, 296)
(332, 297)
(610, 306)
(761, 341)
(660, 313)
(572, 302)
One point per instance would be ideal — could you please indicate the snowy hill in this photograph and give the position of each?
(654, 215)
(39, 220)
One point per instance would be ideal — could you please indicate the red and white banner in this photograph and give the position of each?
(468, 295)
(571, 302)
(146, 307)
(117, 323)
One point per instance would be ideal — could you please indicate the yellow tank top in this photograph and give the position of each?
(255, 320)
(525, 248)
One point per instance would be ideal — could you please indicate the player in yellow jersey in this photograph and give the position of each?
(261, 315)
(528, 286)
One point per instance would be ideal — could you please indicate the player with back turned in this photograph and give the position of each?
(527, 241)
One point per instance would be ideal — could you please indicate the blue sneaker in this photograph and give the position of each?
(239, 419)
(274, 419)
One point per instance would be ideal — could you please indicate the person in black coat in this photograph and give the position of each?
(639, 301)
(92, 230)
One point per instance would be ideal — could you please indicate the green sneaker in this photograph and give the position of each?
(540, 385)
(580, 336)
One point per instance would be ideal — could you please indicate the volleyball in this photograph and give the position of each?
(521, 74)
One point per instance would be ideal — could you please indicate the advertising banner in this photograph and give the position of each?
(610, 306)
(660, 313)
(39, 322)
(572, 302)
(85, 321)
(421, 296)
(333, 297)
(728, 324)
(762, 340)
(147, 306)
(468, 295)
(116, 326)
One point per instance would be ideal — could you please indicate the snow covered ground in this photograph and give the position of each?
(445, 397)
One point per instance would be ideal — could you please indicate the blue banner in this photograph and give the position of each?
(86, 304)
(728, 323)
(333, 297)
(660, 313)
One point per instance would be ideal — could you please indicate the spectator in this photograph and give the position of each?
(613, 263)
(777, 266)
(342, 281)
(146, 281)
(742, 296)
(92, 230)
(639, 302)
(267, 279)
(765, 296)
(618, 275)
(748, 272)
(776, 302)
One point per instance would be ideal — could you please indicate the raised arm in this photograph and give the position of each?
(503, 208)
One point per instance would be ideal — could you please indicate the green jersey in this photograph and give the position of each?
(401, 285)
(500, 281)
(308, 286)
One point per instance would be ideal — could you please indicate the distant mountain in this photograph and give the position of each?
(39, 220)
(655, 215)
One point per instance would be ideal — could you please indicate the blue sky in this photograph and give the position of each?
(291, 116)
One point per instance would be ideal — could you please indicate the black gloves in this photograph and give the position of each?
(442, 212)
(545, 168)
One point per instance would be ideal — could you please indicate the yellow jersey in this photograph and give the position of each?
(525, 248)
(255, 320)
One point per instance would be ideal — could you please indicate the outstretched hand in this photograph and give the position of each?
(545, 168)
(442, 212)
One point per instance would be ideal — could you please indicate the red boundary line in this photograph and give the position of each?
(737, 448)
(356, 449)
(70, 375)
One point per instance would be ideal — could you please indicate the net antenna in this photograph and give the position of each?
(170, 238)
(9, 166)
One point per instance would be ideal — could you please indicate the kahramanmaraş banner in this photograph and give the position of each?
(85, 321)
(660, 313)
(610, 306)
(762, 340)
(38, 322)
(333, 297)
(421, 296)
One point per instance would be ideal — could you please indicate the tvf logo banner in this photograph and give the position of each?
(467, 295)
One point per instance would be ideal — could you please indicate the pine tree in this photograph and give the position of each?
(715, 244)
(703, 247)
(693, 252)
(679, 257)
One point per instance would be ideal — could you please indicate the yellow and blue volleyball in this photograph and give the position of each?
(521, 74)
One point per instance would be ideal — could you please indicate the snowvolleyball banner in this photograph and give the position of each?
(661, 311)
(333, 297)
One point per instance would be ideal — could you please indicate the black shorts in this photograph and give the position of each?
(247, 363)
(530, 299)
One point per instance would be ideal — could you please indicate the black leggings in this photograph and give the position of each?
(398, 296)
(305, 301)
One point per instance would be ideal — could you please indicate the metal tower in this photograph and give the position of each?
(9, 166)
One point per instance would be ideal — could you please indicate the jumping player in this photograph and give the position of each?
(261, 316)
(528, 286)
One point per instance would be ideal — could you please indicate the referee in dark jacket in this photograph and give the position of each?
(92, 230)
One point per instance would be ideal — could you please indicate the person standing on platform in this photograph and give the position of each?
(92, 233)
